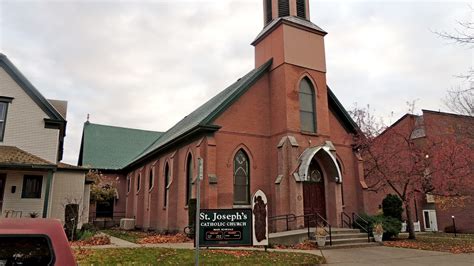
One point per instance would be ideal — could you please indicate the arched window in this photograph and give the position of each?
(139, 179)
(283, 8)
(167, 180)
(301, 8)
(189, 177)
(307, 106)
(241, 178)
(150, 179)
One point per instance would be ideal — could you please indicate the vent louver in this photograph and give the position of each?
(268, 7)
(301, 8)
(283, 8)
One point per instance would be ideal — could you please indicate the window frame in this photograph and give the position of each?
(189, 178)
(247, 185)
(313, 105)
(151, 179)
(166, 185)
(139, 182)
(30, 195)
(5, 101)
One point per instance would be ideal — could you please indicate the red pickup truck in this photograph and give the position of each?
(34, 242)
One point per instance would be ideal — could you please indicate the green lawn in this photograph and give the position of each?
(154, 256)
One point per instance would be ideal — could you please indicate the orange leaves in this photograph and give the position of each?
(97, 240)
(446, 245)
(157, 239)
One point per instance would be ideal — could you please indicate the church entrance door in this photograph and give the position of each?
(313, 191)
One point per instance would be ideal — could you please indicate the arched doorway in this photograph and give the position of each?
(314, 198)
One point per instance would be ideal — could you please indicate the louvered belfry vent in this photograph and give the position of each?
(283, 8)
(268, 11)
(301, 8)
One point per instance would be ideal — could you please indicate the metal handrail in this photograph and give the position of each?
(367, 224)
(311, 218)
(343, 221)
(290, 217)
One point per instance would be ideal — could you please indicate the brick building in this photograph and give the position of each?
(451, 133)
(279, 129)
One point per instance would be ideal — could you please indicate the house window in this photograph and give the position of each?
(150, 179)
(241, 178)
(167, 180)
(32, 186)
(301, 8)
(283, 8)
(307, 106)
(189, 177)
(3, 117)
(139, 179)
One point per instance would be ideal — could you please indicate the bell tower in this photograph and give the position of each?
(289, 36)
(283, 8)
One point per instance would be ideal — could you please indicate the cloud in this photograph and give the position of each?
(147, 64)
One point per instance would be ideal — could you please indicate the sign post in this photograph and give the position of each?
(198, 206)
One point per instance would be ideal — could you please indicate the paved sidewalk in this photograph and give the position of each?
(395, 256)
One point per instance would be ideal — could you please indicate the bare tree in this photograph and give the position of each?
(461, 100)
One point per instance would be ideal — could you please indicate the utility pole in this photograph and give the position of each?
(198, 207)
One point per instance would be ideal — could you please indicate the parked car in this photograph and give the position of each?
(34, 242)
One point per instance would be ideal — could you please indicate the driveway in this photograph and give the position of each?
(395, 256)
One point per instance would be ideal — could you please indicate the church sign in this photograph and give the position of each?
(225, 227)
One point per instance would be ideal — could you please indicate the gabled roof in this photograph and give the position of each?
(13, 157)
(201, 119)
(112, 148)
(290, 20)
(37, 97)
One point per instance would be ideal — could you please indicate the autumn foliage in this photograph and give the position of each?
(432, 153)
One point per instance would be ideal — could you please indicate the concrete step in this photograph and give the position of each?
(336, 231)
(352, 235)
(351, 245)
(349, 241)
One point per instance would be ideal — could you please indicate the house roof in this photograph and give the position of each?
(291, 20)
(202, 117)
(13, 157)
(112, 148)
(23, 82)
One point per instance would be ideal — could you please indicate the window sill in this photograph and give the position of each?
(309, 133)
(186, 207)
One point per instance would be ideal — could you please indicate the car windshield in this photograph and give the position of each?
(25, 250)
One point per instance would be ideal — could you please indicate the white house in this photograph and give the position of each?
(33, 181)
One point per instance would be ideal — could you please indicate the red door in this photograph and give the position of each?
(2, 188)
(314, 199)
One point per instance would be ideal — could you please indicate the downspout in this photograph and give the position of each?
(49, 179)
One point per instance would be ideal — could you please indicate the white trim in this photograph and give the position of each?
(306, 157)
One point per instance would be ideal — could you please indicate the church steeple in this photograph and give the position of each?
(283, 8)
(289, 37)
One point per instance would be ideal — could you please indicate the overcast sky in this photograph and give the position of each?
(146, 64)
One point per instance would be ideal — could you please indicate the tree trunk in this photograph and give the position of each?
(410, 226)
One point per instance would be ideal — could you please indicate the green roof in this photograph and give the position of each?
(112, 148)
(201, 119)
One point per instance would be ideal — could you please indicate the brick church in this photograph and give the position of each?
(279, 129)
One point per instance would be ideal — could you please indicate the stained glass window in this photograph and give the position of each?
(241, 178)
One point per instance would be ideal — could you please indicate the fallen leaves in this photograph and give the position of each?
(158, 239)
(453, 246)
(235, 253)
(97, 240)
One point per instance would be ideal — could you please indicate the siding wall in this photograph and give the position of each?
(25, 122)
(68, 188)
(13, 201)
